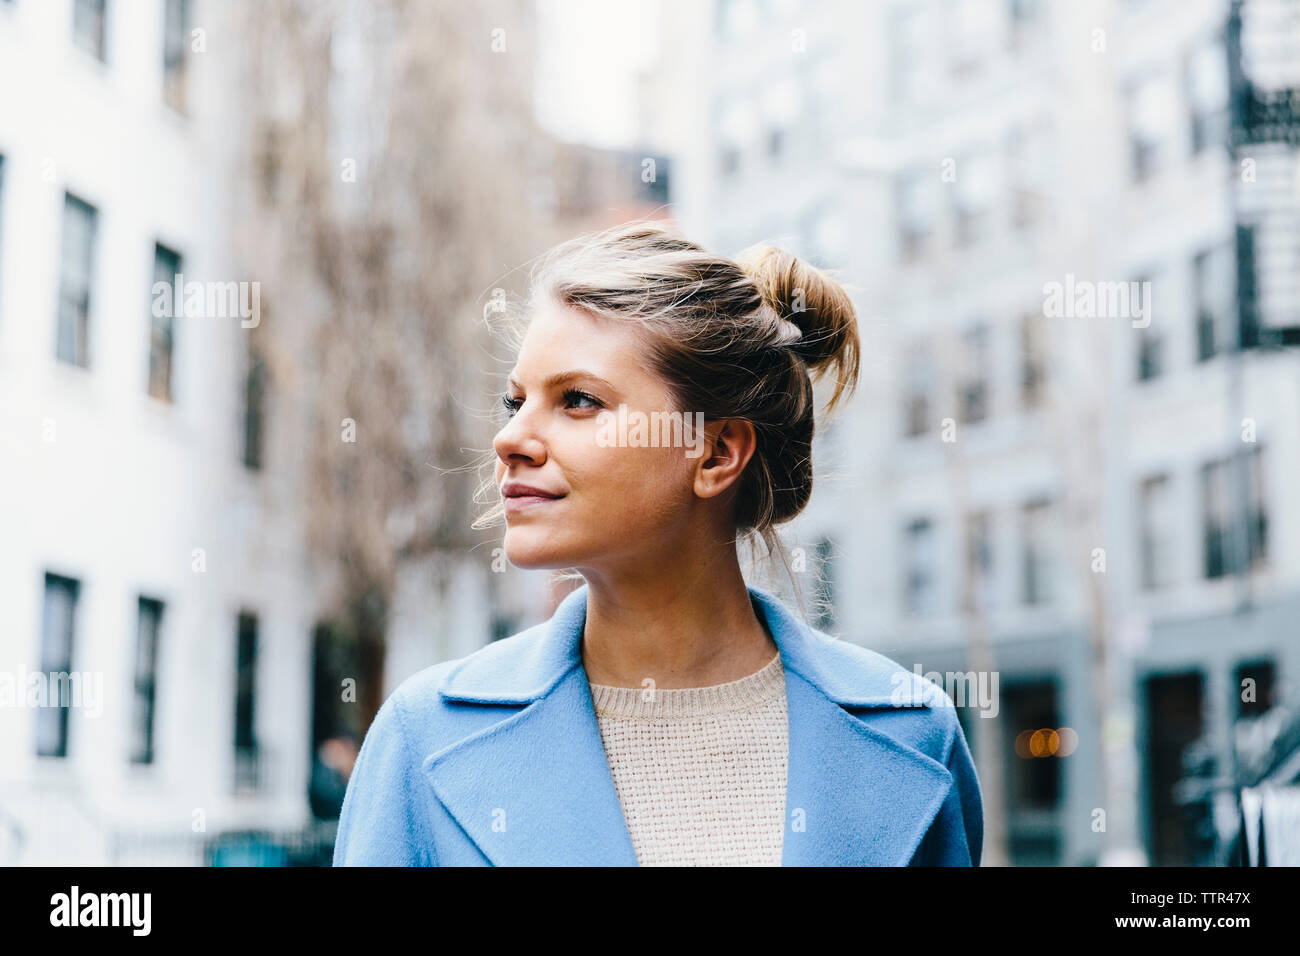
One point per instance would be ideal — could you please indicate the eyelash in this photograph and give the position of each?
(512, 404)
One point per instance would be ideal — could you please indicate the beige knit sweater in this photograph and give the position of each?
(700, 771)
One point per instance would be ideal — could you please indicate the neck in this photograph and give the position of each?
(682, 623)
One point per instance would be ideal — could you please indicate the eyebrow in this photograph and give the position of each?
(560, 378)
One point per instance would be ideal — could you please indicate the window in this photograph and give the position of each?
(775, 142)
(1150, 363)
(149, 622)
(1256, 508)
(77, 265)
(1037, 566)
(166, 266)
(781, 110)
(729, 161)
(176, 29)
(246, 749)
(89, 26)
(738, 131)
(1219, 515)
(917, 212)
(973, 385)
(1215, 294)
(1033, 360)
(58, 632)
(979, 559)
(1157, 524)
(1150, 343)
(255, 389)
(1247, 287)
(1206, 77)
(1152, 106)
(975, 196)
(1216, 496)
(918, 385)
(919, 589)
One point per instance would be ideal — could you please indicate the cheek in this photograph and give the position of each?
(653, 482)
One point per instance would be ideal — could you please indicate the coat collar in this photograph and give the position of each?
(535, 788)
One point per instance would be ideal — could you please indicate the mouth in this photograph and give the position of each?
(524, 498)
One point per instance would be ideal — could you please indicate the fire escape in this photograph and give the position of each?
(1248, 814)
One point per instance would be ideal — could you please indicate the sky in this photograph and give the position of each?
(588, 59)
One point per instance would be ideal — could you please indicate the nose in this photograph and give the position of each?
(518, 441)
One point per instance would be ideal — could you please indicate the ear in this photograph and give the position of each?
(731, 443)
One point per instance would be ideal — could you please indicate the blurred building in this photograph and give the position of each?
(151, 548)
(954, 158)
(135, 552)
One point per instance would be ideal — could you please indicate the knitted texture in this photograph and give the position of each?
(700, 771)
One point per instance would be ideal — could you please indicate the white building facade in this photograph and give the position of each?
(1004, 463)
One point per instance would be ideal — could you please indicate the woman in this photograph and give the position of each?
(667, 713)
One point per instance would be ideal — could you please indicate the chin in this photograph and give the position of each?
(534, 549)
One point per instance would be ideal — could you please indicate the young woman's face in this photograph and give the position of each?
(613, 506)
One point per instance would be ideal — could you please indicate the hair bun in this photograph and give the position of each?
(816, 304)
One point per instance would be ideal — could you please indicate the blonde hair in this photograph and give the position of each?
(731, 339)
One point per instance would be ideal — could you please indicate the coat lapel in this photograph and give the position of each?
(856, 797)
(535, 788)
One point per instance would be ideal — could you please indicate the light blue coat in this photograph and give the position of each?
(496, 759)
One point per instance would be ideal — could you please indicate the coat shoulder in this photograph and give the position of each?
(429, 703)
(881, 691)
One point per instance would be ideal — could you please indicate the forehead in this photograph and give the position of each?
(560, 337)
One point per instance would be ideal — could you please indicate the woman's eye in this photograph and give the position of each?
(573, 395)
(511, 404)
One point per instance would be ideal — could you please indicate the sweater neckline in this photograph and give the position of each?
(746, 692)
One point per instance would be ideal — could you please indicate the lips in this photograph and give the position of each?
(516, 490)
(525, 497)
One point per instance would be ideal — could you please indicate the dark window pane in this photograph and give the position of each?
(1033, 360)
(77, 264)
(166, 266)
(973, 388)
(1156, 524)
(146, 675)
(57, 635)
(919, 570)
(88, 26)
(176, 29)
(255, 389)
(1216, 517)
(1037, 566)
(979, 560)
(246, 748)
